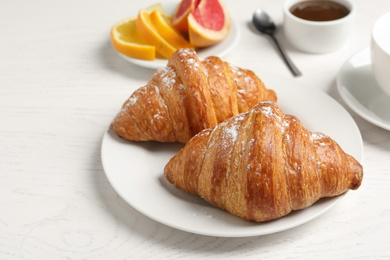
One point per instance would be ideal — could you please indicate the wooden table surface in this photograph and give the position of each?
(61, 84)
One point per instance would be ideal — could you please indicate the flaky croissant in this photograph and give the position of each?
(187, 96)
(263, 164)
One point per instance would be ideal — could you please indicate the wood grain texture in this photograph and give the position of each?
(60, 86)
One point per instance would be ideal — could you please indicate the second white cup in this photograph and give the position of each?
(380, 52)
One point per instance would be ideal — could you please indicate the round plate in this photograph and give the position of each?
(220, 49)
(135, 169)
(360, 91)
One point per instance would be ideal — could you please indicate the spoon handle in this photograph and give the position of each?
(294, 70)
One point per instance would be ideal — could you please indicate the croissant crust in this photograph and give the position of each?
(187, 96)
(263, 164)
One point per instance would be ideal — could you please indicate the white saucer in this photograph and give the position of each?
(358, 88)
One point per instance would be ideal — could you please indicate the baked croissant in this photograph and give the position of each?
(187, 96)
(263, 164)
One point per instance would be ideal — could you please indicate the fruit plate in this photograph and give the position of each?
(220, 49)
(135, 169)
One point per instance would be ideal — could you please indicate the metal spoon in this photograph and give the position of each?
(264, 24)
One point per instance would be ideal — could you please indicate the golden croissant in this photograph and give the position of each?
(263, 164)
(187, 96)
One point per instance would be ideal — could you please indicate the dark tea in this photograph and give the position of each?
(320, 10)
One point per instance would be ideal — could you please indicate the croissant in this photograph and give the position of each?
(263, 164)
(187, 96)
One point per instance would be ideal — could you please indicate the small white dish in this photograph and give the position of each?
(135, 169)
(360, 91)
(220, 49)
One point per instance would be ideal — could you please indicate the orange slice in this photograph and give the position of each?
(157, 7)
(149, 33)
(163, 25)
(209, 23)
(126, 40)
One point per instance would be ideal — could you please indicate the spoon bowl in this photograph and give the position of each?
(264, 24)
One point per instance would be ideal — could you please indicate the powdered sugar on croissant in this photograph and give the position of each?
(188, 95)
(263, 164)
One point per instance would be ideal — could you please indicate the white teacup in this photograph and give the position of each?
(318, 36)
(380, 52)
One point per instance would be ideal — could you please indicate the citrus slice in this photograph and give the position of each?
(209, 23)
(149, 33)
(155, 7)
(126, 40)
(163, 25)
(180, 15)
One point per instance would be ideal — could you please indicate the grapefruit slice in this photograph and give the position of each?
(164, 27)
(180, 15)
(209, 23)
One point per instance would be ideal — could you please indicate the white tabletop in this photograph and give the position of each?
(61, 84)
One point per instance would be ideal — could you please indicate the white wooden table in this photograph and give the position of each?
(61, 84)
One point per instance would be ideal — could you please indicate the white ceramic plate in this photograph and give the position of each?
(360, 91)
(135, 170)
(220, 49)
